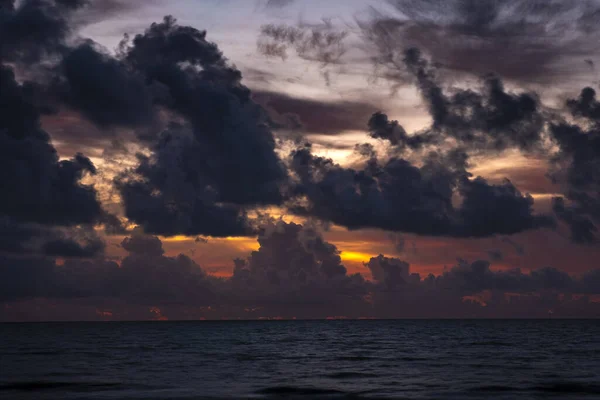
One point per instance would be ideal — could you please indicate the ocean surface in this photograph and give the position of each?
(448, 359)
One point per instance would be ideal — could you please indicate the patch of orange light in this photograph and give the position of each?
(241, 242)
(543, 196)
(178, 238)
(355, 256)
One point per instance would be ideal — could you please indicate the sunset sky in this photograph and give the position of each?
(299, 158)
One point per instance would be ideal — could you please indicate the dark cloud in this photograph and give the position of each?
(144, 277)
(389, 272)
(328, 118)
(103, 90)
(200, 176)
(477, 276)
(71, 248)
(582, 227)
(380, 127)
(40, 192)
(37, 186)
(520, 40)
(575, 168)
(398, 196)
(492, 118)
(178, 193)
(25, 239)
(25, 277)
(141, 244)
(585, 105)
(33, 29)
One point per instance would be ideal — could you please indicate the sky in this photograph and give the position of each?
(233, 159)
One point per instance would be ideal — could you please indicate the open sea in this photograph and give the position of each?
(401, 359)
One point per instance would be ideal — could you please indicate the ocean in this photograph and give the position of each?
(399, 359)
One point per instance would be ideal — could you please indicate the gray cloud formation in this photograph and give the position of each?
(490, 119)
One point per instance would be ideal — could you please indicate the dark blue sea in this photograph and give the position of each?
(449, 359)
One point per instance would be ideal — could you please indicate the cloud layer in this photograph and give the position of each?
(294, 273)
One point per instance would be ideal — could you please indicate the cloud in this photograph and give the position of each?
(491, 118)
(141, 244)
(390, 272)
(219, 161)
(24, 239)
(294, 270)
(103, 90)
(398, 196)
(33, 29)
(37, 186)
(575, 165)
(294, 273)
(521, 40)
(380, 127)
(145, 276)
(67, 247)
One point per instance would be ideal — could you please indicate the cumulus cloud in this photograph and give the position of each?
(38, 188)
(398, 196)
(103, 89)
(390, 272)
(201, 175)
